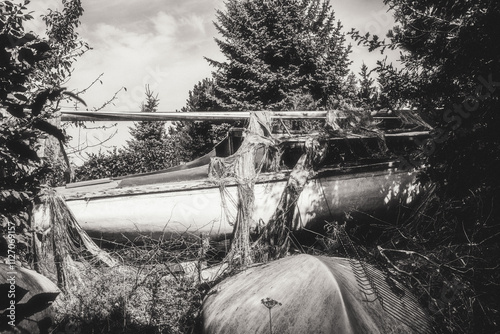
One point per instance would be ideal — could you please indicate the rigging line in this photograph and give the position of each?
(225, 210)
(402, 307)
(285, 127)
(302, 224)
(359, 269)
(227, 195)
(324, 197)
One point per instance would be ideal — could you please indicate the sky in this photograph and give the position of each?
(162, 43)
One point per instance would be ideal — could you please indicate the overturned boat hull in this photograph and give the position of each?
(312, 295)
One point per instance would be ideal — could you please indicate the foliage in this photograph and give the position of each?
(148, 148)
(200, 98)
(145, 297)
(450, 73)
(200, 136)
(65, 43)
(276, 51)
(148, 130)
(120, 162)
(156, 288)
(280, 55)
(351, 89)
(366, 90)
(151, 149)
(24, 58)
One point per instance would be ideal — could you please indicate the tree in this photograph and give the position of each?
(150, 149)
(200, 137)
(24, 95)
(278, 50)
(450, 73)
(147, 130)
(351, 89)
(201, 97)
(55, 71)
(148, 146)
(366, 90)
(66, 46)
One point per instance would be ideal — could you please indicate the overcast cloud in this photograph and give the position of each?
(162, 43)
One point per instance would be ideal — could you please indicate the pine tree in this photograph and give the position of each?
(198, 138)
(366, 90)
(351, 89)
(148, 130)
(150, 149)
(278, 50)
(201, 97)
(148, 143)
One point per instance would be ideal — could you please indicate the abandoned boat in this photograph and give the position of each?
(185, 200)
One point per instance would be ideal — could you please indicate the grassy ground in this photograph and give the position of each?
(147, 293)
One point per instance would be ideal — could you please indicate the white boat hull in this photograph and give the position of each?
(172, 211)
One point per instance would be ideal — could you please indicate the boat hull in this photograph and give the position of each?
(184, 210)
(315, 295)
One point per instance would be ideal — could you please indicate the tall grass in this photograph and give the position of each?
(152, 290)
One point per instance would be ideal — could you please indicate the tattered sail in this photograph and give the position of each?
(61, 246)
(243, 167)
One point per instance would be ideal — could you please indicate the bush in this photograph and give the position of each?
(148, 298)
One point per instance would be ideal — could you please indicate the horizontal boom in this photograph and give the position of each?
(182, 116)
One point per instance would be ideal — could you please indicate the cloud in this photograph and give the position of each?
(162, 43)
(163, 51)
(366, 16)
